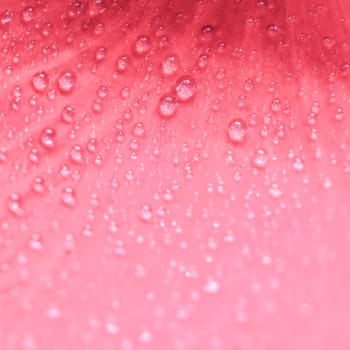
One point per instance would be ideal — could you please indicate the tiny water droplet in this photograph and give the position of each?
(298, 164)
(40, 81)
(207, 33)
(122, 63)
(260, 158)
(6, 17)
(185, 88)
(142, 44)
(211, 286)
(28, 14)
(38, 185)
(237, 131)
(100, 54)
(275, 191)
(68, 197)
(66, 81)
(146, 213)
(14, 204)
(139, 129)
(47, 138)
(167, 106)
(68, 114)
(339, 114)
(170, 65)
(76, 154)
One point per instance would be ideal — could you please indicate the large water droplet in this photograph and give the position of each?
(185, 88)
(66, 81)
(237, 130)
(167, 106)
(40, 81)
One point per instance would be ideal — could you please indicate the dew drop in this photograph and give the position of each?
(260, 158)
(6, 17)
(47, 138)
(170, 65)
(66, 81)
(40, 81)
(68, 197)
(142, 45)
(139, 129)
(68, 114)
(167, 106)
(28, 14)
(275, 191)
(298, 164)
(339, 114)
(146, 213)
(100, 54)
(145, 337)
(185, 88)
(273, 30)
(237, 131)
(76, 154)
(14, 204)
(211, 286)
(207, 33)
(122, 63)
(38, 185)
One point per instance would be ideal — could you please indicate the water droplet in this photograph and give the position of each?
(47, 138)
(53, 312)
(145, 337)
(185, 88)
(40, 81)
(68, 114)
(122, 63)
(170, 65)
(100, 54)
(237, 131)
(142, 45)
(260, 158)
(66, 81)
(273, 30)
(339, 114)
(298, 164)
(211, 286)
(14, 204)
(167, 106)
(68, 197)
(38, 185)
(275, 191)
(146, 213)
(139, 129)
(28, 14)
(276, 105)
(207, 33)
(6, 17)
(76, 154)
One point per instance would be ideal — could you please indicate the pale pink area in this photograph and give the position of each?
(174, 237)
